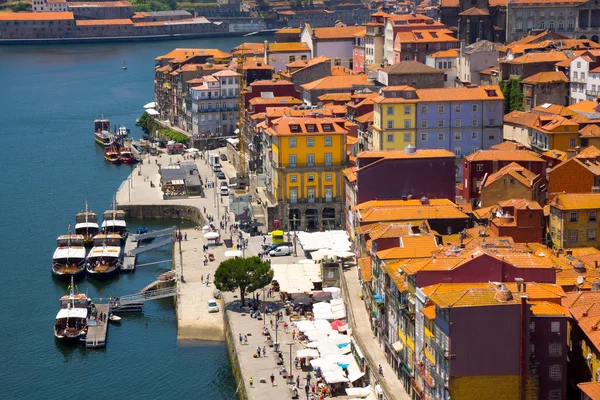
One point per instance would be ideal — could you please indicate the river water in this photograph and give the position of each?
(49, 98)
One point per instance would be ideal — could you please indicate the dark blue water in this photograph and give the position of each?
(50, 165)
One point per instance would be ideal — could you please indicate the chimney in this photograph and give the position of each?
(519, 283)
(570, 153)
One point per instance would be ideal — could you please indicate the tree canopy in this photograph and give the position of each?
(246, 274)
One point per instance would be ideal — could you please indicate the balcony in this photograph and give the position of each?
(592, 92)
(438, 378)
(314, 200)
(438, 349)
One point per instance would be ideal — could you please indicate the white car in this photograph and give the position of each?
(213, 306)
(281, 251)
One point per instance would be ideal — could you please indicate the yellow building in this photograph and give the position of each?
(555, 132)
(394, 118)
(574, 220)
(304, 171)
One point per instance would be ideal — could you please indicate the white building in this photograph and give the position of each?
(337, 43)
(446, 61)
(215, 104)
(280, 54)
(584, 74)
(49, 5)
(474, 58)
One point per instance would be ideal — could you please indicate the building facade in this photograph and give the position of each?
(574, 220)
(215, 109)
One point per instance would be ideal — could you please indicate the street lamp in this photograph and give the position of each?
(290, 374)
(295, 237)
(181, 258)
(265, 304)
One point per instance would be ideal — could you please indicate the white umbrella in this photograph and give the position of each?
(233, 253)
(312, 345)
(192, 150)
(344, 254)
(306, 262)
(152, 111)
(150, 105)
(312, 353)
(211, 235)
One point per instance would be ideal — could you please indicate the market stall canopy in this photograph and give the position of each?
(152, 111)
(233, 253)
(192, 150)
(307, 353)
(150, 105)
(296, 278)
(359, 392)
(211, 235)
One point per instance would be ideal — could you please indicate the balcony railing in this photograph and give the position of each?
(438, 349)
(315, 200)
(592, 92)
(438, 378)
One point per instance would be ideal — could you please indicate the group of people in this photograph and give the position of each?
(98, 315)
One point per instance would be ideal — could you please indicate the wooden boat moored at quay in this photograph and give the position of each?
(102, 134)
(113, 221)
(104, 261)
(127, 156)
(112, 156)
(86, 224)
(71, 320)
(69, 256)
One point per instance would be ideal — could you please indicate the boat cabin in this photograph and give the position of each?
(79, 300)
(70, 240)
(101, 125)
(110, 239)
(88, 216)
(114, 214)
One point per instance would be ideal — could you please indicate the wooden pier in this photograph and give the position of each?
(97, 330)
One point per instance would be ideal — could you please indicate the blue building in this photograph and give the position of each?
(462, 120)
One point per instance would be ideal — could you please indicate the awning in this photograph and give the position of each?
(211, 235)
(176, 182)
(150, 105)
(405, 368)
(377, 297)
(233, 253)
(398, 346)
(152, 111)
(355, 376)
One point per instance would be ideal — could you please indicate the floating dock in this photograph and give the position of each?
(133, 248)
(96, 335)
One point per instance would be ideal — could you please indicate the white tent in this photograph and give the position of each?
(312, 353)
(192, 150)
(211, 235)
(152, 111)
(359, 392)
(150, 105)
(233, 253)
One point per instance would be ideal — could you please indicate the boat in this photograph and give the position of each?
(114, 318)
(69, 256)
(110, 239)
(103, 261)
(102, 134)
(127, 156)
(122, 132)
(112, 156)
(71, 320)
(113, 221)
(86, 224)
(124, 67)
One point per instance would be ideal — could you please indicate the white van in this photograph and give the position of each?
(281, 251)
(217, 167)
(214, 159)
(224, 189)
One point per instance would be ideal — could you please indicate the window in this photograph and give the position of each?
(583, 76)
(474, 149)
(406, 123)
(423, 136)
(572, 142)
(479, 167)
(492, 122)
(474, 135)
(554, 394)
(474, 122)
(390, 138)
(423, 123)
(440, 123)
(292, 143)
(591, 235)
(310, 142)
(555, 327)
(558, 235)
(407, 137)
(592, 216)
(457, 108)
(328, 159)
(390, 110)
(310, 160)
(406, 110)
(573, 236)
(551, 25)
(328, 193)
(292, 58)
(532, 326)
(573, 216)
(293, 195)
(328, 177)
(326, 128)
(458, 151)
(310, 178)
(311, 194)
(542, 25)
(441, 137)
(440, 109)
(390, 124)
(423, 109)
(457, 135)
(555, 372)
(293, 178)
(293, 160)
(457, 123)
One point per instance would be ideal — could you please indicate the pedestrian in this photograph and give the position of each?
(245, 339)
(185, 236)
(312, 388)
(307, 389)
(251, 382)
(293, 334)
(202, 277)
(380, 369)
(270, 321)
(241, 338)
(298, 380)
(207, 278)
(264, 239)
(264, 351)
(205, 264)
(285, 327)
(258, 351)
(308, 376)
(272, 380)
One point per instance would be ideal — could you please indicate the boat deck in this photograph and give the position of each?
(97, 331)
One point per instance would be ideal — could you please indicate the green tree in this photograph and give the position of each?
(172, 4)
(20, 6)
(142, 122)
(246, 274)
(513, 95)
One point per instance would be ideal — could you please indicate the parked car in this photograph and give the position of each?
(217, 167)
(212, 306)
(281, 251)
(224, 189)
(223, 157)
(221, 175)
(268, 248)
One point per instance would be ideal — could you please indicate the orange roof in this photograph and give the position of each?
(590, 152)
(99, 4)
(368, 117)
(556, 154)
(276, 100)
(534, 291)
(188, 53)
(396, 154)
(426, 36)
(340, 70)
(591, 389)
(338, 82)
(249, 48)
(546, 308)
(410, 247)
(411, 213)
(289, 30)
(94, 22)
(499, 155)
(550, 56)
(474, 11)
(364, 263)
(555, 109)
(289, 126)
(585, 106)
(344, 32)
(546, 77)
(521, 174)
(429, 312)
(36, 16)
(335, 97)
(308, 63)
(461, 93)
(400, 203)
(445, 54)
(507, 146)
(473, 297)
(590, 130)
(288, 47)
(350, 174)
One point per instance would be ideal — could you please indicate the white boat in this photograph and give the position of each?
(69, 256)
(122, 132)
(114, 318)
(71, 320)
(113, 221)
(86, 224)
(104, 260)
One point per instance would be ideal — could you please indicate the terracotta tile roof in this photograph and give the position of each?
(546, 77)
(368, 117)
(410, 68)
(98, 22)
(585, 106)
(577, 201)
(556, 154)
(445, 54)
(335, 97)
(590, 130)
(345, 32)
(546, 308)
(546, 57)
(455, 3)
(590, 152)
(508, 146)
(401, 203)
(516, 171)
(308, 63)
(364, 263)
(534, 291)
(389, 230)
(188, 53)
(397, 154)
(283, 126)
(270, 82)
(498, 155)
(36, 16)
(460, 93)
(287, 47)
(578, 299)
(249, 48)
(553, 109)
(350, 174)
(410, 247)
(429, 312)
(339, 70)
(396, 276)
(474, 11)
(591, 389)
(489, 71)
(276, 100)
(410, 213)
(425, 36)
(289, 30)
(471, 298)
(588, 319)
(338, 82)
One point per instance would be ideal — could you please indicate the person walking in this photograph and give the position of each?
(258, 351)
(380, 369)
(293, 334)
(245, 339)
(202, 277)
(264, 351)
(241, 338)
(272, 380)
(251, 382)
(298, 381)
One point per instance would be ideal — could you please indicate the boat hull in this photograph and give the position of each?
(104, 273)
(113, 160)
(70, 335)
(69, 273)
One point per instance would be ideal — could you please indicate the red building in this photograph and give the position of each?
(418, 44)
(521, 219)
(278, 88)
(358, 52)
(485, 162)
